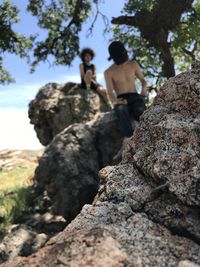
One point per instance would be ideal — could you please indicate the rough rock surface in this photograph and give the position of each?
(68, 169)
(91, 146)
(57, 106)
(24, 239)
(20, 240)
(166, 145)
(112, 234)
(147, 211)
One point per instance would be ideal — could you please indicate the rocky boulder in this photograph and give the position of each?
(25, 239)
(110, 233)
(166, 145)
(68, 169)
(147, 211)
(57, 106)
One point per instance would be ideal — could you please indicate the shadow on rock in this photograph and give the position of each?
(68, 169)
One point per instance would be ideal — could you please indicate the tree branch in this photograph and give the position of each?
(127, 20)
(192, 52)
(105, 20)
(76, 16)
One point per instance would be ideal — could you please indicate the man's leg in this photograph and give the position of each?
(137, 106)
(124, 119)
(138, 111)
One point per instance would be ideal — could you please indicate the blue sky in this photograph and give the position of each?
(16, 131)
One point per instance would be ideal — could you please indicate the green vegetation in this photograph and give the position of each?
(15, 195)
(162, 35)
(11, 41)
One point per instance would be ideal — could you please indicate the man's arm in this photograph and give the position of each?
(109, 86)
(139, 74)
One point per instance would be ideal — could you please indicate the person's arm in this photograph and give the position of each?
(109, 86)
(81, 71)
(139, 74)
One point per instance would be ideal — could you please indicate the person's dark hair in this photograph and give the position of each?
(87, 50)
(117, 52)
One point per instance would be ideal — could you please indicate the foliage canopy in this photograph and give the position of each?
(163, 35)
(11, 41)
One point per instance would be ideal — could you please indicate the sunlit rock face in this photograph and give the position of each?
(57, 106)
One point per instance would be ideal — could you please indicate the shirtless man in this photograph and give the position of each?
(120, 82)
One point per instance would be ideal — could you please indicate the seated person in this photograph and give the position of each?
(88, 74)
(120, 80)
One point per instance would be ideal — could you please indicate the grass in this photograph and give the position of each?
(15, 195)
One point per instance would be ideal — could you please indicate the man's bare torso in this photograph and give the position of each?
(123, 77)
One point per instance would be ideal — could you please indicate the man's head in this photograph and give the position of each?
(117, 52)
(87, 54)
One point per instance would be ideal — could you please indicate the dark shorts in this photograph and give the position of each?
(136, 104)
(93, 86)
(132, 111)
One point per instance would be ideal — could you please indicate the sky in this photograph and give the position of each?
(15, 130)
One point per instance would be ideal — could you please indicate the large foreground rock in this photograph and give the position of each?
(166, 149)
(68, 169)
(112, 234)
(166, 145)
(57, 106)
(147, 210)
